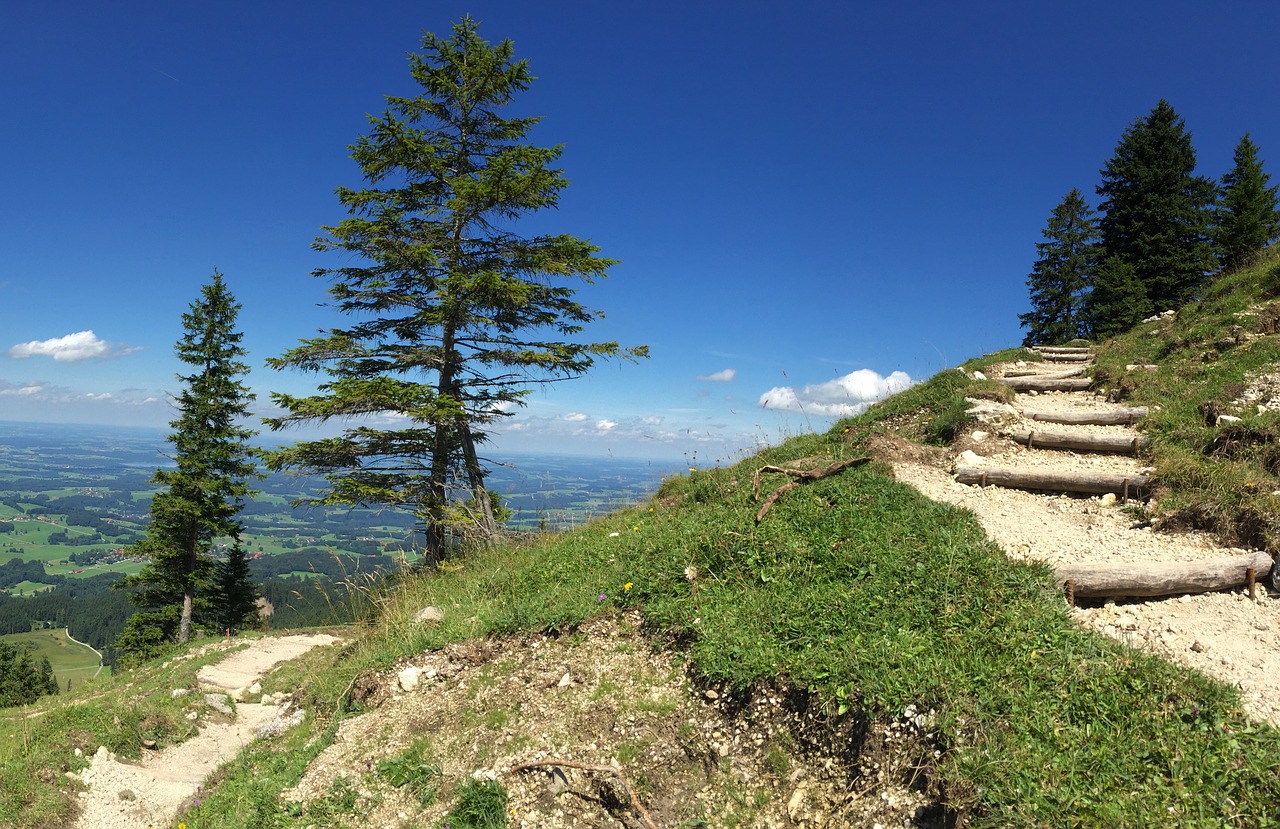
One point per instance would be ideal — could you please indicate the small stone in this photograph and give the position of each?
(977, 375)
(1108, 499)
(428, 616)
(409, 678)
(1199, 647)
(711, 694)
(127, 794)
(220, 703)
(255, 689)
(149, 744)
(1227, 419)
(179, 692)
(566, 680)
(979, 437)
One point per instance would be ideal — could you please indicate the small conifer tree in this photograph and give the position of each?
(1062, 273)
(1246, 216)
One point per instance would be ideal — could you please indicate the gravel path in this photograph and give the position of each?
(1226, 635)
(149, 793)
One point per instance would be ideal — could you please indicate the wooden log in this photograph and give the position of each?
(1044, 439)
(1046, 383)
(1067, 358)
(1029, 372)
(1062, 349)
(1092, 483)
(1163, 578)
(1115, 417)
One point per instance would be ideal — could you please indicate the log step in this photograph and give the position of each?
(1115, 417)
(1028, 372)
(1042, 439)
(1046, 383)
(1089, 483)
(1054, 357)
(1062, 349)
(1164, 578)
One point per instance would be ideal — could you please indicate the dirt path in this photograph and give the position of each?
(148, 794)
(1226, 635)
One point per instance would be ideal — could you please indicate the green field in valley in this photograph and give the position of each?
(70, 660)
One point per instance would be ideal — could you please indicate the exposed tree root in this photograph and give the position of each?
(802, 475)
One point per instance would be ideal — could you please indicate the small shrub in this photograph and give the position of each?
(482, 804)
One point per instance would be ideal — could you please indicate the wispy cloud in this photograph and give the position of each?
(606, 425)
(842, 397)
(575, 417)
(722, 376)
(82, 345)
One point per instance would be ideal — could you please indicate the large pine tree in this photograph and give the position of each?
(454, 315)
(1246, 217)
(1156, 211)
(1062, 273)
(204, 492)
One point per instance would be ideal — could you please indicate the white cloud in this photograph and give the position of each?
(106, 395)
(651, 420)
(722, 376)
(842, 397)
(575, 417)
(24, 391)
(606, 425)
(82, 345)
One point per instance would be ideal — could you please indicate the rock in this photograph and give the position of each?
(1108, 499)
(1199, 647)
(969, 458)
(255, 689)
(429, 615)
(1225, 420)
(977, 375)
(409, 678)
(565, 681)
(991, 412)
(179, 692)
(711, 694)
(220, 703)
(149, 744)
(979, 437)
(127, 794)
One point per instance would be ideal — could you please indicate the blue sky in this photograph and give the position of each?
(813, 202)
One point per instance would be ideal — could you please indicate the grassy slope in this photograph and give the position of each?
(858, 589)
(70, 660)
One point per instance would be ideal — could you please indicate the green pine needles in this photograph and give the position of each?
(454, 316)
(1060, 276)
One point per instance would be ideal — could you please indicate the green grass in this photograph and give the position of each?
(854, 588)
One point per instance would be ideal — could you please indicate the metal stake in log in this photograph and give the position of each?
(1071, 593)
(1250, 579)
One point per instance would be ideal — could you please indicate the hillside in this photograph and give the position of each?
(856, 655)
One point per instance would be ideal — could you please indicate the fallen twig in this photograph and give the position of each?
(802, 475)
(573, 764)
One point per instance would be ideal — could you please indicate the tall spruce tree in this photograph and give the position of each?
(1062, 273)
(1246, 220)
(205, 490)
(1156, 212)
(455, 315)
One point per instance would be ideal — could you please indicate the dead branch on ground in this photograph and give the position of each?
(801, 475)
(573, 764)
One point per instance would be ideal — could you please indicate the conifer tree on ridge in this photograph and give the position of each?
(1246, 216)
(205, 490)
(1156, 216)
(1062, 273)
(455, 315)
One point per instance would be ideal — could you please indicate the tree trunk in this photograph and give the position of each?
(1038, 439)
(1116, 417)
(184, 624)
(1070, 372)
(1093, 483)
(1163, 578)
(1046, 383)
(475, 477)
